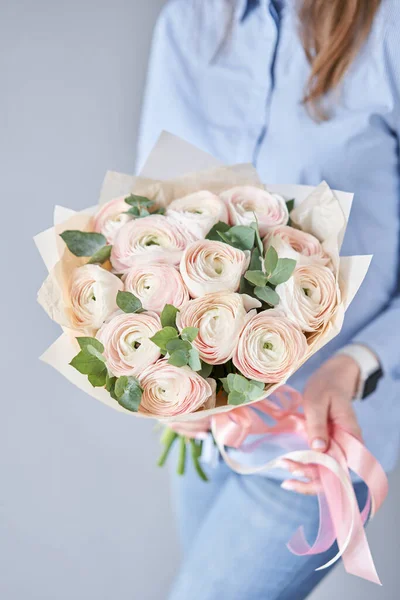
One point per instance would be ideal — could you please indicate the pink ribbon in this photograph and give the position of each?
(340, 517)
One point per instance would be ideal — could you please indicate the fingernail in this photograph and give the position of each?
(201, 436)
(299, 473)
(318, 444)
(283, 464)
(288, 485)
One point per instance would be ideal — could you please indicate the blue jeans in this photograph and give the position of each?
(234, 531)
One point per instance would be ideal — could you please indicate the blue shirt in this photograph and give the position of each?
(231, 82)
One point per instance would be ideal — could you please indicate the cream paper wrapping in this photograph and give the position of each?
(173, 169)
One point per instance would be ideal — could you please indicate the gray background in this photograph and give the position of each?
(84, 512)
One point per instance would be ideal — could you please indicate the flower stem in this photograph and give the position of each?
(168, 438)
(196, 453)
(182, 455)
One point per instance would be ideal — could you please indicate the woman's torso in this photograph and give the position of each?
(241, 100)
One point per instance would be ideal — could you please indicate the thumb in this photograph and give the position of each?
(316, 408)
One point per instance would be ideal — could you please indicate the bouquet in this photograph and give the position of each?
(187, 297)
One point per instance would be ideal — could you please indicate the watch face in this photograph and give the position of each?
(372, 383)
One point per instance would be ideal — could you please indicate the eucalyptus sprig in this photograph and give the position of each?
(87, 243)
(178, 345)
(276, 270)
(241, 390)
(91, 362)
(140, 206)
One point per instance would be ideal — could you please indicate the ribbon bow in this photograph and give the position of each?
(340, 517)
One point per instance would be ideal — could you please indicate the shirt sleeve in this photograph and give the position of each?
(383, 333)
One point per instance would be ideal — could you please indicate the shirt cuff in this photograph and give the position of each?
(366, 360)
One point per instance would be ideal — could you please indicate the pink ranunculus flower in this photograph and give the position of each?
(310, 297)
(93, 291)
(245, 201)
(110, 217)
(208, 266)
(220, 318)
(126, 339)
(156, 284)
(270, 347)
(198, 212)
(170, 391)
(151, 239)
(294, 243)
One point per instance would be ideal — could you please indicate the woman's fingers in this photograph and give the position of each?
(300, 470)
(316, 409)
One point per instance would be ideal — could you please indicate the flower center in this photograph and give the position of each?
(267, 346)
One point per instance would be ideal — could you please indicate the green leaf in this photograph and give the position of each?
(162, 337)
(110, 382)
(267, 294)
(256, 277)
(133, 210)
(94, 352)
(213, 233)
(283, 271)
(245, 287)
(236, 398)
(225, 384)
(128, 392)
(255, 260)
(189, 333)
(87, 363)
(260, 245)
(239, 236)
(159, 211)
(271, 260)
(128, 302)
(179, 358)
(89, 341)
(177, 344)
(168, 315)
(98, 380)
(290, 205)
(83, 243)
(194, 360)
(135, 200)
(206, 369)
(100, 256)
(238, 383)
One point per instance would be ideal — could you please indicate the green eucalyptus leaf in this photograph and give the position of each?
(213, 233)
(239, 236)
(162, 337)
(194, 360)
(290, 205)
(100, 256)
(83, 243)
(267, 294)
(259, 246)
(179, 358)
(110, 382)
(177, 344)
(225, 384)
(271, 260)
(236, 398)
(283, 271)
(168, 315)
(99, 379)
(189, 333)
(245, 287)
(256, 277)
(135, 200)
(90, 341)
(87, 364)
(255, 260)
(128, 392)
(206, 369)
(238, 383)
(133, 210)
(128, 302)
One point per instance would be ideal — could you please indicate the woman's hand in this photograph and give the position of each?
(327, 397)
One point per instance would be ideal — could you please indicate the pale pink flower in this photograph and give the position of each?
(270, 347)
(310, 297)
(208, 266)
(294, 243)
(220, 318)
(198, 212)
(127, 346)
(110, 217)
(93, 291)
(156, 284)
(170, 391)
(246, 201)
(155, 238)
